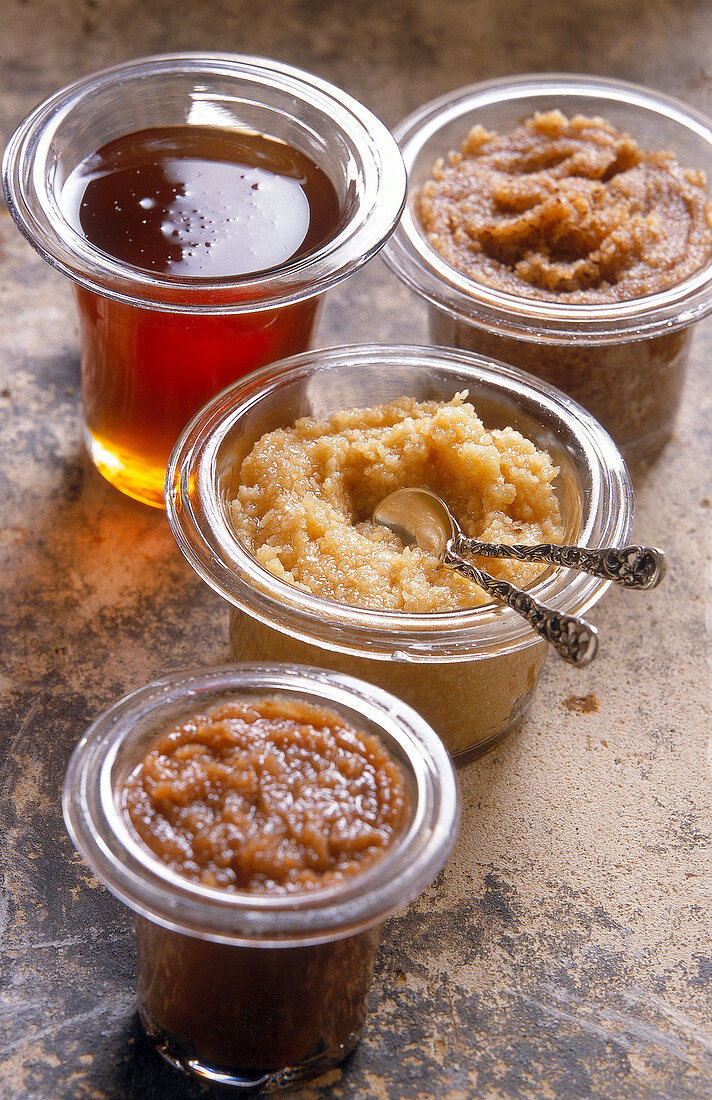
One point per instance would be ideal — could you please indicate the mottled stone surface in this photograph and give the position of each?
(566, 950)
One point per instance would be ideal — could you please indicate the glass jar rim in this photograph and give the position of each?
(140, 880)
(197, 517)
(414, 260)
(371, 152)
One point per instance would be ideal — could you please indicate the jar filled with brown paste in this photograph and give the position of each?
(269, 497)
(563, 224)
(262, 822)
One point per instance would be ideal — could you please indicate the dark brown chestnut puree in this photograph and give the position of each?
(267, 796)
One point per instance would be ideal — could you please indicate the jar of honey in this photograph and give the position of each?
(201, 206)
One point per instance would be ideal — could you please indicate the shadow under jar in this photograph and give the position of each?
(470, 673)
(623, 360)
(201, 205)
(257, 990)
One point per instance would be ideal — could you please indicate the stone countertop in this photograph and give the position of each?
(566, 950)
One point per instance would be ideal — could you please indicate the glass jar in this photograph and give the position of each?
(469, 673)
(624, 361)
(256, 990)
(155, 347)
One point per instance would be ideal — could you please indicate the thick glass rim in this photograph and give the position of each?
(413, 259)
(197, 514)
(139, 879)
(373, 166)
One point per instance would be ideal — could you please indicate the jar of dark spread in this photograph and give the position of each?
(261, 821)
(562, 224)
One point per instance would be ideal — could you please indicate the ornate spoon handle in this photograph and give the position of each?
(630, 566)
(573, 639)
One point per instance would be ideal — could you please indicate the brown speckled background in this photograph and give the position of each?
(566, 950)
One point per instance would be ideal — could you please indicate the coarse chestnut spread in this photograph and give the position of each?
(267, 796)
(306, 495)
(567, 209)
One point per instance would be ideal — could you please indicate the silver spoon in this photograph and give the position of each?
(421, 518)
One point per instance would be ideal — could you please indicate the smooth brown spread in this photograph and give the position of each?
(567, 208)
(267, 796)
(307, 493)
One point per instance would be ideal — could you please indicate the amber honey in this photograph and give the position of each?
(201, 207)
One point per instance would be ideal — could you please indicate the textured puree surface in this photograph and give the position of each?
(307, 493)
(567, 209)
(267, 796)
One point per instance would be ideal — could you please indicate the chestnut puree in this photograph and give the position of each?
(268, 797)
(574, 212)
(254, 1009)
(567, 209)
(192, 203)
(265, 797)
